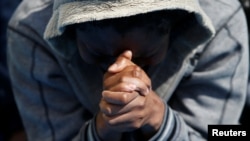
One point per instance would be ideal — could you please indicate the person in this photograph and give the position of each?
(128, 70)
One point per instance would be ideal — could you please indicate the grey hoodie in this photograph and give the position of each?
(202, 80)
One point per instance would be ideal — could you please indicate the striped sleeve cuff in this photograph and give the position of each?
(168, 127)
(91, 131)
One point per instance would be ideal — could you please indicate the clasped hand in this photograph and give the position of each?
(128, 102)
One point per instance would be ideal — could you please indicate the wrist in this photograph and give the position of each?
(105, 132)
(156, 119)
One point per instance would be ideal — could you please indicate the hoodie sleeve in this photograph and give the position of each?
(49, 109)
(215, 91)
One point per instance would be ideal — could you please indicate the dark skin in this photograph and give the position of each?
(127, 101)
(127, 97)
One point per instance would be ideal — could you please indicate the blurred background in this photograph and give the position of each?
(246, 5)
(11, 128)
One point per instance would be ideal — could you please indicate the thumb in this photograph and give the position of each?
(121, 62)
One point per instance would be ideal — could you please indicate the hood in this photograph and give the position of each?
(68, 12)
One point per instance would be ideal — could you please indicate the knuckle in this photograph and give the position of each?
(105, 109)
(123, 78)
(149, 83)
(110, 122)
(101, 104)
(141, 104)
(140, 115)
(137, 68)
(137, 73)
(108, 111)
(126, 88)
(124, 98)
(136, 125)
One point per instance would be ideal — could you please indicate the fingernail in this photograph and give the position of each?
(147, 92)
(113, 67)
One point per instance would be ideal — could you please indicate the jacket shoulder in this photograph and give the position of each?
(220, 11)
(30, 19)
